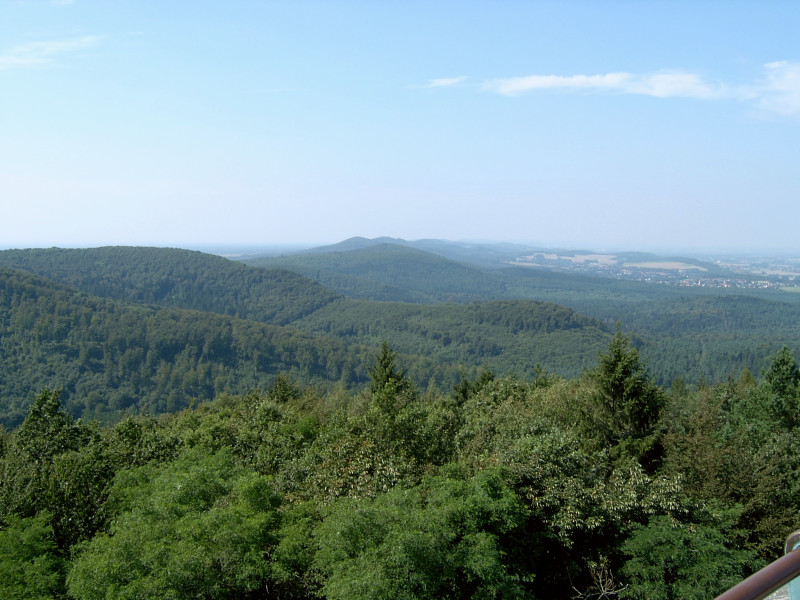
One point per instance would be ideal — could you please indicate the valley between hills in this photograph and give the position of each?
(125, 329)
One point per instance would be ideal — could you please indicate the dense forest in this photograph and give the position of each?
(385, 423)
(432, 308)
(692, 333)
(113, 357)
(601, 486)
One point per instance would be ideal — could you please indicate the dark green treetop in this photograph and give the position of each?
(628, 402)
(782, 380)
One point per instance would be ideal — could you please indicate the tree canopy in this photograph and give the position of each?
(500, 488)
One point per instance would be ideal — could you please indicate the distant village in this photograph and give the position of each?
(682, 279)
(729, 273)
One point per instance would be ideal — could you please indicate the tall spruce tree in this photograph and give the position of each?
(628, 402)
(782, 380)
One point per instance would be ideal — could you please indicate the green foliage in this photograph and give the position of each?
(689, 332)
(292, 559)
(176, 278)
(346, 461)
(341, 480)
(494, 490)
(390, 387)
(197, 527)
(77, 486)
(670, 560)
(48, 431)
(442, 539)
(782, 380)
(113, 359)
(502, 336)
(273, 439)
(384, 372)
(135, 441)
(728, 445)
(783, 376)
(57, 465)
(628, 403)
(30, 565)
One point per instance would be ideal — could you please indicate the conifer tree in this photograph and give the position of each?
(782, 379)
(384, 371)
(628, 402)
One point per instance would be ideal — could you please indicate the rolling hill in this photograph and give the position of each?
(112, 358)
(177, 278)
(143, 329)
(127, 329)
(692, 332)
(390, 272)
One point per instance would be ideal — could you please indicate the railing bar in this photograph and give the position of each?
(761, 584)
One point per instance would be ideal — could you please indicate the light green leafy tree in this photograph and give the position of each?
(670, 560)
(56, 464)
(199, 527)
(30, 566)
(442, 539)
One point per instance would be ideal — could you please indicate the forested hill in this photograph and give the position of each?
(111, 358)
(506, 336)
(694, 334)
(510, 336)
(392, 272)
(177, 278)
(600, 487)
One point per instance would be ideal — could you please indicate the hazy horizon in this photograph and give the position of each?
(235, 250)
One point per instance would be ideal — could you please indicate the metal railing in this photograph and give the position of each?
(772, 577)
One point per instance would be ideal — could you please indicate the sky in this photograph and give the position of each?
(597, 125)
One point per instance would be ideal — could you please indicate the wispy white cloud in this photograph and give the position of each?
(443, 82)
(778, 92)
(40, 53)
(676, 85)
(516, 86)
(665, 84)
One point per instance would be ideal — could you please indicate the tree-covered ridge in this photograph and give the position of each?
(505, 335)
(603, 486)
(177, 278)
(112, 358)
(695, 334)
(729, 314)
(391, 272)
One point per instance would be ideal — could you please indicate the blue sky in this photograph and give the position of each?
(602, 125)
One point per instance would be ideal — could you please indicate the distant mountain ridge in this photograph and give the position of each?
(171, 325)
(177, 278)
(693, 332)
(491, 255)
(484, 255)
(393, 272)
(111, 357)
(129, 329)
